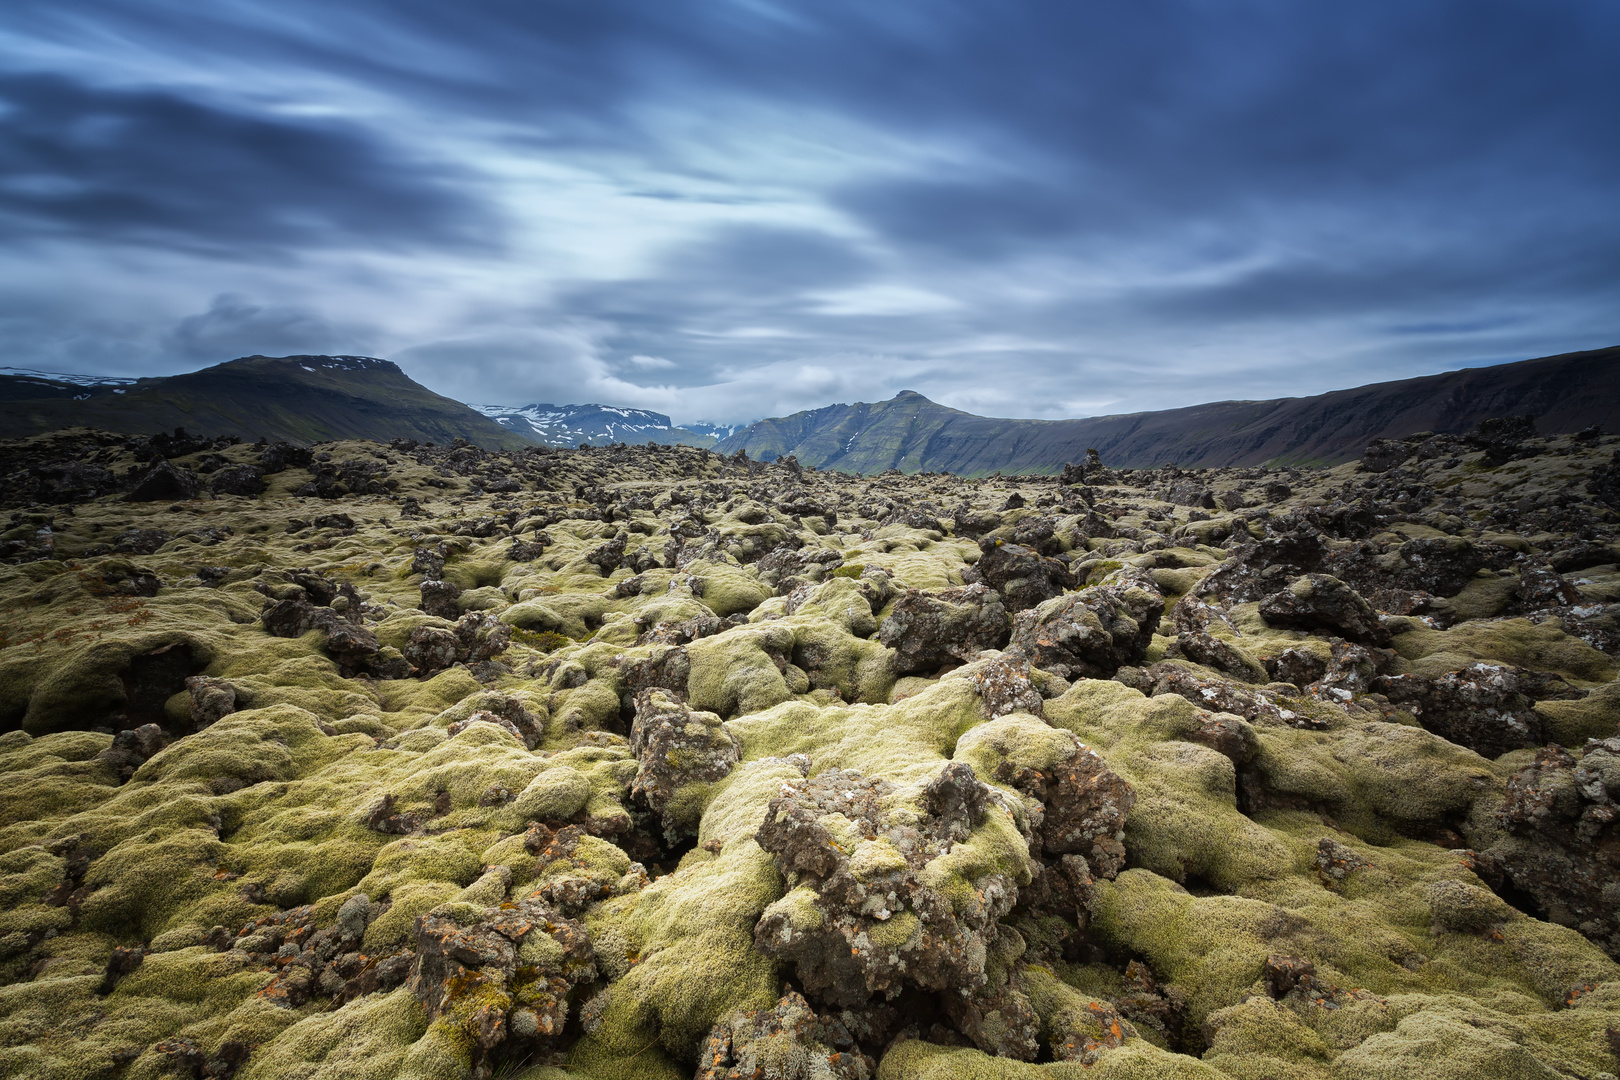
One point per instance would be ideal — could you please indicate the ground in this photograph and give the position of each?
(386, 760)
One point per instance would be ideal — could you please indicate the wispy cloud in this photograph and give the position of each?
(729, 210)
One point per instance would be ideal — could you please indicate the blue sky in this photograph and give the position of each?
(726, 209)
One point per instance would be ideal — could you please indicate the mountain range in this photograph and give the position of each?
(913, 434)
(600, 425)
(306, 399)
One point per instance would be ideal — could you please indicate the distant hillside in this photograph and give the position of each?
(599, 425)
(913, 434)
(302, 399)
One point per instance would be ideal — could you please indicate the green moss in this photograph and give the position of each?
(1571, 723)
(917, 1060)
(541, 640)
(367, 1039)
(1537, 646)
(1443, 1046)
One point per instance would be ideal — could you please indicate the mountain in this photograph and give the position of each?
(23, 384)
(599, 425)
(911, 433)
(301, 399)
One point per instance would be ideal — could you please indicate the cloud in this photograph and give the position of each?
(724, 211)
(234, 326)
(158, 168)
(650, 363)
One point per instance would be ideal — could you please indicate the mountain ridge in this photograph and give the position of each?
(911, 433)
(301, 399)
(596, 424)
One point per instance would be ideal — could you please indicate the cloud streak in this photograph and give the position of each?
(723, 210)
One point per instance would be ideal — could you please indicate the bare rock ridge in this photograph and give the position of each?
(1561, 393)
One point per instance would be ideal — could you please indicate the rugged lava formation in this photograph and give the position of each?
(367, 761)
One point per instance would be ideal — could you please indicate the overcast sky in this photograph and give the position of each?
(727, 209)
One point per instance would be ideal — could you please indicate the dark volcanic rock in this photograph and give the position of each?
(788, 1042)
(439, 599)
(1482, 707)
(928, 629)
(164, 483)
(1320, 602)
(1022, 576)
(842, 957)
(1383, 455)
(243, 480)
(1095, 632)
(675, 746)
(495, 980)
(1565, 851)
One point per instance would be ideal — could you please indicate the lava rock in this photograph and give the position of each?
(1321, 602)
(929, 629)
(787, 1042)
(165, 483)
(674, 747)
(859, 920)
(1562, 812)
(1095, 632)
(1024, 577)
(211, 699)
(439, 599)
(243, 480)
(1482, 707)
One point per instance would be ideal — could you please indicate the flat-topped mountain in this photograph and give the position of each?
(909, 432)
(301, 399)
(600, 425)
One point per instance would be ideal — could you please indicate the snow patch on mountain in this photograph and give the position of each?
(66, 377)
(599, 425)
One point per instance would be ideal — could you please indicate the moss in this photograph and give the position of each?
(1537, 646)
(557, 793)
(690, 935)
(728, 589)
(1571, 723)
(1260, 1038)
(544, 641)
(1444, 1047)
(269, 803)
(735, 672)
(917, 1060)
(367, 1039)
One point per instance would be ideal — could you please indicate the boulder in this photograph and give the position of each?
(1023, 576)
(1564, 851)
(1321, 602)
(1094, 632)
(675, 747)
(1483, 707)
(164, 483)
(929, 629)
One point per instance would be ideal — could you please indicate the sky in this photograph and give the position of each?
(730, 209)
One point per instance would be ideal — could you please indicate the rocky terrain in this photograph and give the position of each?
(378, 759)
(908, 432)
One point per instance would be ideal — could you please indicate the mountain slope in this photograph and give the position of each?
(598, 425)
(913, 434)
(302, 399)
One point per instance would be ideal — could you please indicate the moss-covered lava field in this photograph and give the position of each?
(381, 760)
